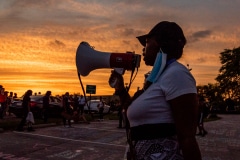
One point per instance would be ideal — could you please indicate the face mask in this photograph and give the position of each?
(158, 67)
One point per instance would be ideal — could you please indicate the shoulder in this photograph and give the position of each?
(177, 73)
(176, 68)
(177, 80)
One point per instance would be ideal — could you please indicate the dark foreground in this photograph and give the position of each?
(104, 141)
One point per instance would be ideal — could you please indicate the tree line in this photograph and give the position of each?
(225, 93)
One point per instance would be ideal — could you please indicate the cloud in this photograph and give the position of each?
(30, 3)
(46, 33)
(57, 43)
(201, 60)
(196, 36)
(128, 31)
(201, 34)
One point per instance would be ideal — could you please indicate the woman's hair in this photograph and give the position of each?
(28, 93)
(48, 93)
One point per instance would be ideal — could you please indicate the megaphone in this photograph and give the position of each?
(88, 59)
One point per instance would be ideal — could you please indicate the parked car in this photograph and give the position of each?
(55, 106)
(93, 107)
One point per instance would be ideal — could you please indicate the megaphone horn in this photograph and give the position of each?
(88, 59)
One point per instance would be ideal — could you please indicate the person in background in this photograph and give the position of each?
(67, 109)
(101, 108)
(9, 101)
(75, 103)
(15, 96)
(81, 104)
(26, 109)
(46, 99)
(3, 102)
(202, 114)
(6, 103)
(163, 115)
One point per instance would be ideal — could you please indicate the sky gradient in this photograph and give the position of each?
(39, 39)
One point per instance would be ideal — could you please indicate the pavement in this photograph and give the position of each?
(222, 141)
(13, 118)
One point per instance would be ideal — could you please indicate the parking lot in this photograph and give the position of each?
(104, 141)
(95, 141)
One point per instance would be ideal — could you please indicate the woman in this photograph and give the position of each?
(163, 116)
(26, 109)
(67, 111)
(46, 99)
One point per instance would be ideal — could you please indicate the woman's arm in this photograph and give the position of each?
(185, 111)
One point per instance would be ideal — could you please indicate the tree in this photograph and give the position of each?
(229, 74)
(211, 93)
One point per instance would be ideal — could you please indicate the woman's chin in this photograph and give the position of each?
(148, 63)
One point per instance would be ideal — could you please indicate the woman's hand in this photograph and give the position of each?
(116, 81)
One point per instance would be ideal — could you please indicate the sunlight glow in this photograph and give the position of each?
(38, 40)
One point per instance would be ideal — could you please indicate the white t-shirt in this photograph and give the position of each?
(152, 107)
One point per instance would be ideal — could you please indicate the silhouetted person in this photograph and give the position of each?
(9, 102)
(26, 109)
(46, 100)
(101, 108)
(202, 114)
(81, 104)
(3, 101)
(15, 95)
(67, 109)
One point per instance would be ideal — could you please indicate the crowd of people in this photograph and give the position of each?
(72, 107)
(6, 98)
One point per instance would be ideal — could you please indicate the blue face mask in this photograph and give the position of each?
(158, 67)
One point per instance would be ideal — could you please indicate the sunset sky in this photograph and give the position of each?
(39, 39)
